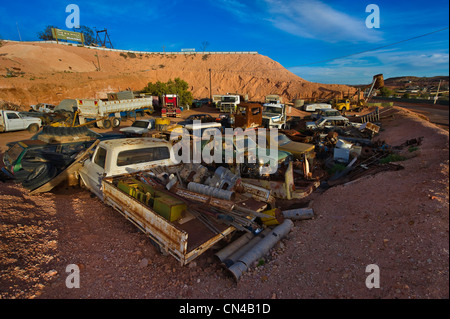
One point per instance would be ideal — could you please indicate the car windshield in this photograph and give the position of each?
(245, 140)
(143, 155)
(13, 153)
(282, 139)
(229, 99)
(272, 109)
(141, 124)
(332, 113)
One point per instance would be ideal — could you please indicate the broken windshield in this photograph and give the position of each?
(141, 124)
(273, 109)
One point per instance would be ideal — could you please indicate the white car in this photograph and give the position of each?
(329, 114)
(316, 106)
(327, 123)
(139, 127)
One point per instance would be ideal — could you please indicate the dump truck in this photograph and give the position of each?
(14, 121)
(104, 113)
(170, 105)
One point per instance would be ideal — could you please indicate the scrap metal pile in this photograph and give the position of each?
(346, 153)
(218, 199)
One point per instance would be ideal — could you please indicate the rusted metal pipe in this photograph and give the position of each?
(215, 202)
(234, 246)
(231, 259)
(260, 249)
(211, 191)
(299, 213)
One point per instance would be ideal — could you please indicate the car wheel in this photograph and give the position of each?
(107, 123)
(33, 128)
(116, 122)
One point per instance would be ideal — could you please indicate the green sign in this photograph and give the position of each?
(67, 35)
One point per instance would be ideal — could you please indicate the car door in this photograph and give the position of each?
(14, 121)
(93, 171)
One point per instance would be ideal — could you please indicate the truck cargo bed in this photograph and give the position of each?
(185, 238)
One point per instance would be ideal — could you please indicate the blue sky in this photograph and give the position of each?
(295, 33)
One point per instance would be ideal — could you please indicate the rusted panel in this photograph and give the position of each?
(258, 192)
(248, 115)
(208, 244)
(253, 205)
(216, 202)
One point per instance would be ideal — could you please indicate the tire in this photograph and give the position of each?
(107, 123)
(344, 109)
(33, 128)
(39, 176)
(116, 122)
(64, 130)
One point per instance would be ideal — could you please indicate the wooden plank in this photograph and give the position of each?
(72, 168)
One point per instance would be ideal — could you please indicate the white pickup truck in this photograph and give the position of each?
(121, 172)
(14, 121)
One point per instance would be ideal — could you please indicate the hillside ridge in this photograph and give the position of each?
(33, 73)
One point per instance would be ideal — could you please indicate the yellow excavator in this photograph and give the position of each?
(351, 104)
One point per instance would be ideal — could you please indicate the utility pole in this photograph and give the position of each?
(210, 93)
(98, 62)
(437, 92)
(17, 24)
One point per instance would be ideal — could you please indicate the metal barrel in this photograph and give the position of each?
(260, 249)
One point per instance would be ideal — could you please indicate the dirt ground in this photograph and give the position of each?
(397, 220)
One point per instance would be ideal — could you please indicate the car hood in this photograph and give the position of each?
(136, 130)
(296, 147)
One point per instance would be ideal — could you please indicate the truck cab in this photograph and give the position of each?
(228, 103)
(170, 105)
(274, 115)
(123, 156)
(14, 121)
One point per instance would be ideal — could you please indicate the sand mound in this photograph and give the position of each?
(49, 73)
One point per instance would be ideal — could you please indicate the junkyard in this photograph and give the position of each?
(184, 174)
(373, 214)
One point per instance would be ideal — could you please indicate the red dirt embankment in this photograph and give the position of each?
(49, 73)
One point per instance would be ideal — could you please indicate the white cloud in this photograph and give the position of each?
(303, 18)
(360, 69)
(315, 19)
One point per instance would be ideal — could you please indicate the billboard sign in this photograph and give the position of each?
(59, 34)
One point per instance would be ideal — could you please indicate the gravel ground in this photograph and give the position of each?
(397, 220)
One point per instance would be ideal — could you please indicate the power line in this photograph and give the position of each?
(344, 56)
(374, 49)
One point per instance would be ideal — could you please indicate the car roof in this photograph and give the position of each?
(133, 142)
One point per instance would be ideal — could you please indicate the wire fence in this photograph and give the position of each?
(142, 52)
